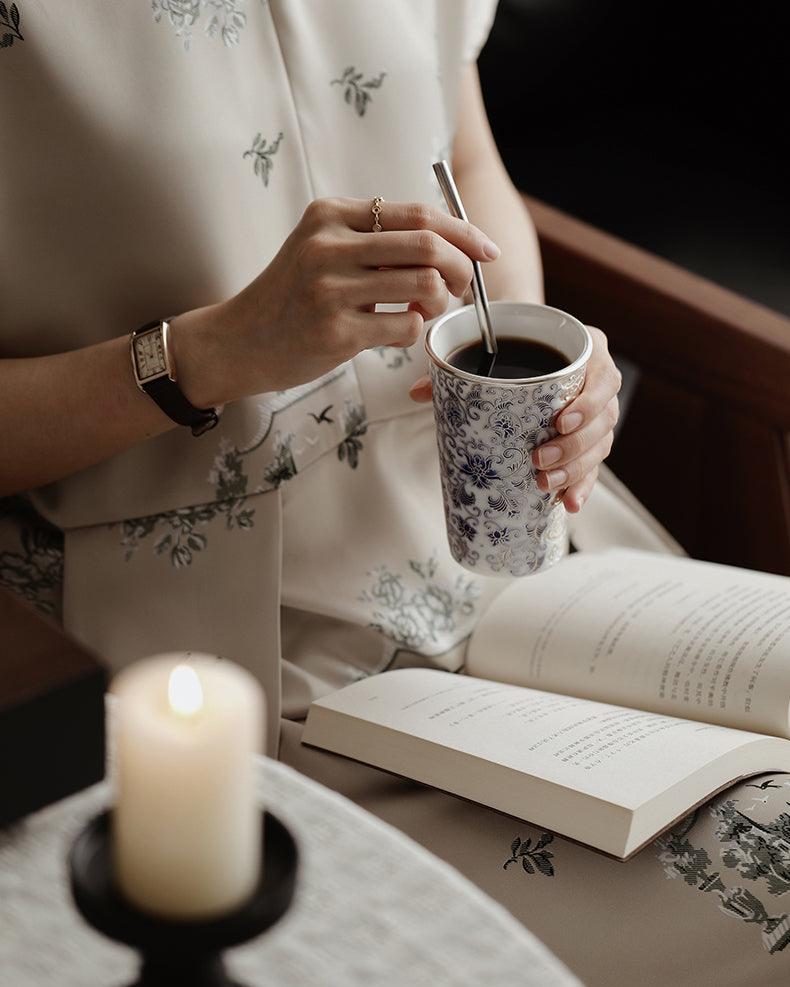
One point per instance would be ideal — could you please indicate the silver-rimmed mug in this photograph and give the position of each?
(498, 522)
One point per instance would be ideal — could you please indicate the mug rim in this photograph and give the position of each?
(577, 364)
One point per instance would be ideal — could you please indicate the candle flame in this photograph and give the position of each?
(184, 691)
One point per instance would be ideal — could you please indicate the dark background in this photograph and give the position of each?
(659, 122)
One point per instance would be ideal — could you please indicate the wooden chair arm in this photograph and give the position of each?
(706, 441)
(661, 316)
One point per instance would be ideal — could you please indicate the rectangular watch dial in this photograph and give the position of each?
(149, 354)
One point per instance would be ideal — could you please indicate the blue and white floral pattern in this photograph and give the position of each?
(498, 521)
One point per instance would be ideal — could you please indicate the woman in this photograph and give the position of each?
(212, 163)
(214, 166)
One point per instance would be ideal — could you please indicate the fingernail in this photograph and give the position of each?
(569, 422)
(548, 455)
(556, 478)
(419, 384)
(491, 250)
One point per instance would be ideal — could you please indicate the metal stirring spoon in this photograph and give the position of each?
(447, 182)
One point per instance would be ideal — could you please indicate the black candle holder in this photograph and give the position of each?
(188, 953)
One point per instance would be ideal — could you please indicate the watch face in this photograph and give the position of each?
(149, 354)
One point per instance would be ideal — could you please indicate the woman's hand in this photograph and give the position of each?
(313, 307)
(586, 428)
(571, 460)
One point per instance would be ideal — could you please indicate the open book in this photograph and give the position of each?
(604, 699)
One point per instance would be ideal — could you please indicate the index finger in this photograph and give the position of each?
(421, 216)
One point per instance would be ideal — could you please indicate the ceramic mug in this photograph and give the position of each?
(498, 522)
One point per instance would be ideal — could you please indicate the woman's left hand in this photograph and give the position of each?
(571, 459)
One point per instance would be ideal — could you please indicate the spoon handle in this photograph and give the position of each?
(456, 207)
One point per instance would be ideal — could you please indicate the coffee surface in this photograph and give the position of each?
(515, 358)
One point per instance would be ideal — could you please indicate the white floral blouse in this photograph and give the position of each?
(156, 153)
(386, 592)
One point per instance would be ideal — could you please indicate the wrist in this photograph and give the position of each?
(200, 358)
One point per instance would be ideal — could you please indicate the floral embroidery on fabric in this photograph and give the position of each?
(35, 572)
(533, 858)
(9, 25)
(180, 534)
(262, 156)
(182, 539)
(356, 92)
(356, 425)
(282, 467)
(226, 20)
(760, 853)
(415, 617)
(226, 475)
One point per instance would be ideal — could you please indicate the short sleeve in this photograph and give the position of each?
(479, 16)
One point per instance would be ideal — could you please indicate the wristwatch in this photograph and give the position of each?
(155, 374)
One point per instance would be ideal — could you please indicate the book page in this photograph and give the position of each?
(597, 749)
(672, 635)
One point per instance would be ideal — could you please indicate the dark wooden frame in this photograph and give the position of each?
(51, 711)
(706, 443)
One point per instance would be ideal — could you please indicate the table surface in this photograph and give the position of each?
(371, 907)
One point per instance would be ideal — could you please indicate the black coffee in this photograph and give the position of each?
(515, 358)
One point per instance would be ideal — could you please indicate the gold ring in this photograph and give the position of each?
(376, 210)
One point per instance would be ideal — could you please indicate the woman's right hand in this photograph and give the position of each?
(313, 307)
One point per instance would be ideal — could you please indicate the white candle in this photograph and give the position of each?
(186, 824)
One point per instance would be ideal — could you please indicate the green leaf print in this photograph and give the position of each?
(9, 25)
(394, 357)
(261, 152)
(226, 19)
(356, 425)
(356, 92)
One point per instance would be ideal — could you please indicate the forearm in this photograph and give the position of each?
(64, 412)
(310, 310)
(493, 204)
